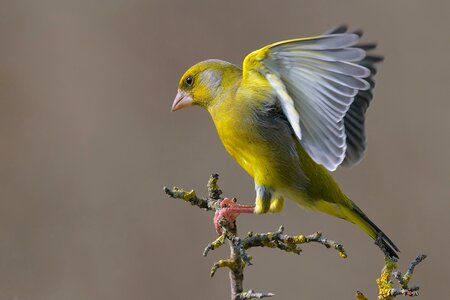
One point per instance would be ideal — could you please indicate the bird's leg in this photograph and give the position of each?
(230, 210)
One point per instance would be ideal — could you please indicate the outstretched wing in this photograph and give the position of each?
(317, 80)
(354, 120)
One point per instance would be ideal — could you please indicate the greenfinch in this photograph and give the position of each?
(293, 113)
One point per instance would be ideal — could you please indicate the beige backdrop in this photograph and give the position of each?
(87, 142)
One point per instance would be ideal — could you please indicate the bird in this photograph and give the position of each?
(292, 114)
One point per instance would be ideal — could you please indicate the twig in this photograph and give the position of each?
(251, 295)
(386, 289)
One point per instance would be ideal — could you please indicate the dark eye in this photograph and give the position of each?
(189, 80)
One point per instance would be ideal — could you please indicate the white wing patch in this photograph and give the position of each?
(316, 81)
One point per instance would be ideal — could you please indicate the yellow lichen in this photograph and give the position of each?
(229, 263)
(384, 283)
(218, 242)
(360, 296)
(342, 253)
(189, 196)
(298, 239)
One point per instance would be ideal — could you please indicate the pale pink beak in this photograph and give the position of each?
(182, 100)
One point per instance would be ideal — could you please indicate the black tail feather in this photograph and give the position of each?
(381, 239)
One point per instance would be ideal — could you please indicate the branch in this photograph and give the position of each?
(289, 243)
(386, 289)
(251, 295)
(239, 258)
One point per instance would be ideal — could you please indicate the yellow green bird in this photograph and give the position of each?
(293, 113)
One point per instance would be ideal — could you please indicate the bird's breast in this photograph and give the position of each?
(262, 144)
(237, 138)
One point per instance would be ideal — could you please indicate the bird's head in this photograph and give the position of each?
(200, 84)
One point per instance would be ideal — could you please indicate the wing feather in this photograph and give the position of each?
(324, 87)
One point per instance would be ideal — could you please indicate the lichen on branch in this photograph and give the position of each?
(239, 258)
(386, 288)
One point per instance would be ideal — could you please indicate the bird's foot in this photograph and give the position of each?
(230, 210)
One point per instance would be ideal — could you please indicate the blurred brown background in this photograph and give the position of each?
(87, 142)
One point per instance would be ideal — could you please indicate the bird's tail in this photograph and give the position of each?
(355, 215)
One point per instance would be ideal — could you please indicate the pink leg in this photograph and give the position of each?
(230, 211)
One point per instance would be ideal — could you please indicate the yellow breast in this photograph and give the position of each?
(236, 135)
(245, 139)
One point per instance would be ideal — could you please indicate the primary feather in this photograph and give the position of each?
(294, 112)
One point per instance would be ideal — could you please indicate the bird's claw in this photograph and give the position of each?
(230, 210)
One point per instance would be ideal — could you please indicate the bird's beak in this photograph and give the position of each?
(182, 100)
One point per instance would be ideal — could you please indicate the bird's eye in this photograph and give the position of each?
(189, 80)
